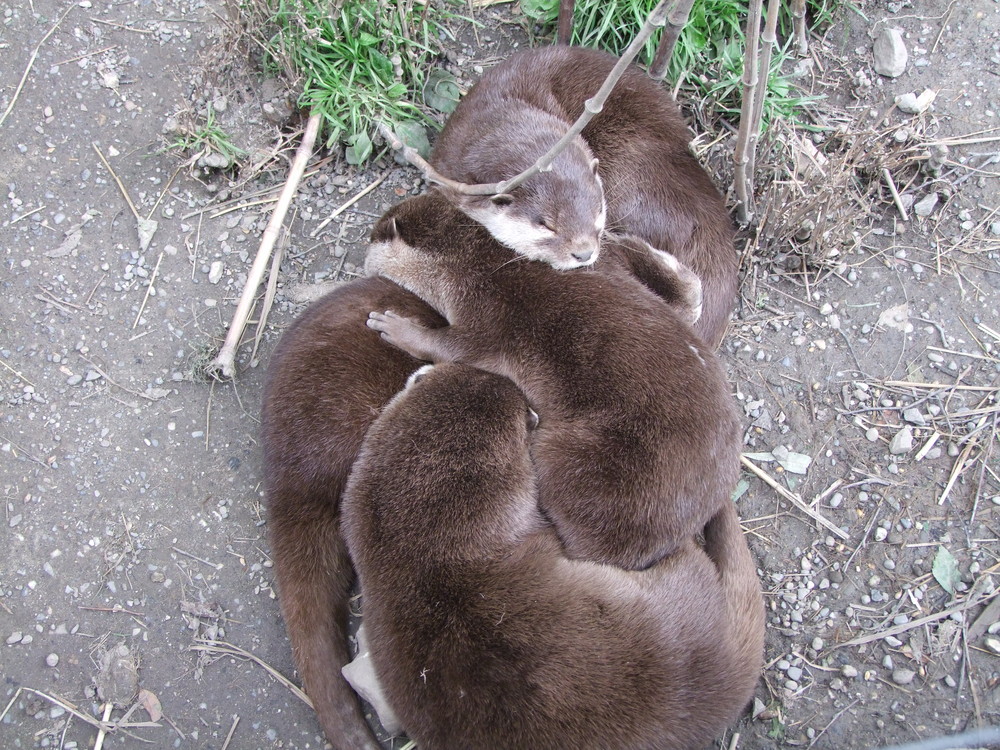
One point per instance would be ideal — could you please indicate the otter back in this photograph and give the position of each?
(654, 188)
(638, 442)
(326, 382)
(485, 635)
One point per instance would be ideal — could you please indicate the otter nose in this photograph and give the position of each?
(583, 255)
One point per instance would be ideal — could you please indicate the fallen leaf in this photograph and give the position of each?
(147, 228)
(945, 570)
(148, 700)
(797, 463)
(441, 91)
(68, 245)
(896, 317)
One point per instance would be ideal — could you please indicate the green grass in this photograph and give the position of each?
(207, 138)
(708, 57)
(355, 62)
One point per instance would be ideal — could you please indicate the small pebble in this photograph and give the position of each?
(903, 676)
(794, 673)
(849, 671)
(872, 435)
(902, 442)
(52, 660)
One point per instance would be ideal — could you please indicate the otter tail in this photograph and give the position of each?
(314, 579)
(725, 545)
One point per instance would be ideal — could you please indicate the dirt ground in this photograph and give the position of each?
(865, 353)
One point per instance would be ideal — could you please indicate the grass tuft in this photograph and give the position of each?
(708, 57)
(354, 62)
(207, 139)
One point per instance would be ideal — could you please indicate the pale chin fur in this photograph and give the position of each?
(525, 238)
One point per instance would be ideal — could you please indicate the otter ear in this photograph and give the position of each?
(502, 199)
(531, 418)
(385, 230)
(417, 375)
(593, 165)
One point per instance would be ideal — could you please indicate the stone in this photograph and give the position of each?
(912, 104)
(925, 206)
(903, 676)
(890, 53)
(902, 442)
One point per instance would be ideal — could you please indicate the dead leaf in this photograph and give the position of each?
(897, 318)
(148, 700)
(147, 228)
(68, 245)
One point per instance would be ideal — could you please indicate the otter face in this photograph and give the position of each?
(552, 217)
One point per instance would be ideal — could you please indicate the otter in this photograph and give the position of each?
(484, 634)
(326, 382)
(652, 185)
(639, 442)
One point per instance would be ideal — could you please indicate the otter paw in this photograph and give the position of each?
(403, 333)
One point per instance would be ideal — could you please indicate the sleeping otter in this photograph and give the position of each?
(327, 381)
(484, 634)
(638, 444)
(652, 186)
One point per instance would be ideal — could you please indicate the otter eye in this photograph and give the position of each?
(546, 223)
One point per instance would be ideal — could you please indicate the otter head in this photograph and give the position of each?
(556, 217)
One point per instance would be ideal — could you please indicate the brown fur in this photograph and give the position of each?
(654, 187)
(485, 635)
(638, 444)
(328, 378)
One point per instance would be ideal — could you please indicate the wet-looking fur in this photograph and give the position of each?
(485, 635)
(638, 443)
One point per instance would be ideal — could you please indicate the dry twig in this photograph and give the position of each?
(31, 63)
(794, 499)
(224, 365)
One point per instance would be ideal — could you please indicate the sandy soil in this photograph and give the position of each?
(133, 522)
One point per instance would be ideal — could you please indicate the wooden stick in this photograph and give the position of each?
(593, 106)
(31, 63)
(676, 22)
(741, 156)
(792, 498)
(224, 364)
(564, 26)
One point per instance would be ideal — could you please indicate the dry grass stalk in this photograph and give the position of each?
(793, 498)
(221, 648)
(973, 599)
(224, 365)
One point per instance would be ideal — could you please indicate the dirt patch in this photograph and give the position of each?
(865, 346)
